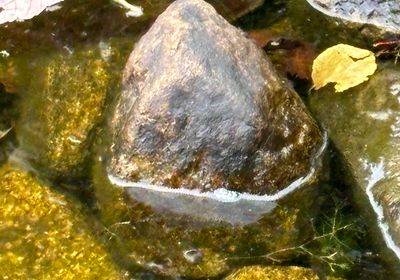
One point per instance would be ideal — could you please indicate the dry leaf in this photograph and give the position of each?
(345, 65)
(19, 10)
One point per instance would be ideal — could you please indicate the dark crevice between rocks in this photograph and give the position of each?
(8, 115)
(360, 257)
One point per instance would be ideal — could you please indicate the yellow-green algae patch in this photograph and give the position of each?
(273, 273)
(43, 235)
(62, 105)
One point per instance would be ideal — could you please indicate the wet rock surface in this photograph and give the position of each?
(234, 9)
(202, 108)
(273, 273)
(68, 25)
(44, 235)
(385, 15)
(182, 243)
(61, 107)
(364, 125)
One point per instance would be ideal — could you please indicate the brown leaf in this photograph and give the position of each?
(299, 61)
(260, 37)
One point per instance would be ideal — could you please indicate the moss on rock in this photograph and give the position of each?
(160, 241)
(273, 273)
(43, 234)
(63, 104)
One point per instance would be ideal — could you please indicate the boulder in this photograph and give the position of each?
(211, 147)
(44, 235)
(202, 108)
(364, 125)
(380, 17)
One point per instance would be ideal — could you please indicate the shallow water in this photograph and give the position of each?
(86, 24)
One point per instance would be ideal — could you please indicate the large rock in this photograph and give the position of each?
(204, 115)
(202, 108)
(44, 235)
(364, 125)
(383, 16)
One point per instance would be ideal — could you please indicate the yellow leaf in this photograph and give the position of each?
(345, 65)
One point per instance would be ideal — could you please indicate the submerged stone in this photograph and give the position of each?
(60, 108)
(71, 23)
(273, 273)
(234, 9)
(383, 15)
(364, 125)
(204, 238)
(202, 108)
(44, 235)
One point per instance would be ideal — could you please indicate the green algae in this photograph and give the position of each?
(362, 123)
(70, 91)
(297, 20)
(43, 234)
(144, 238)
(273, 273)
(63, 105)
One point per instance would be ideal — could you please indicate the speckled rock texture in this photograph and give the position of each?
(273, 273)
(203, 108)
(44, 235)
(60, 109)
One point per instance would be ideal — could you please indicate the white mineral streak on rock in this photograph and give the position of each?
(132, 10)
(231, 207)
(224, 195)
(19, 10)
(377, 173)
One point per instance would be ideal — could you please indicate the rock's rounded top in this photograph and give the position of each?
(203, 108)
(383, 14)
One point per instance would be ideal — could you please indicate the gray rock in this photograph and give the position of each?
(203, 108)
(385, 15)
(364, 125)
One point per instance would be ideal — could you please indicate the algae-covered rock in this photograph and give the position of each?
(62, 105)
(7, 73)
(74, 22)
(43, 234)
(364, 125)
(175, 243)
(234, 9)
(273, 273)
(223, 119)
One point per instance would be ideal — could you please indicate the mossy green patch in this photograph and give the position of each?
(63, 104)
(160, 241)
(43, 234)
(273, 273)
